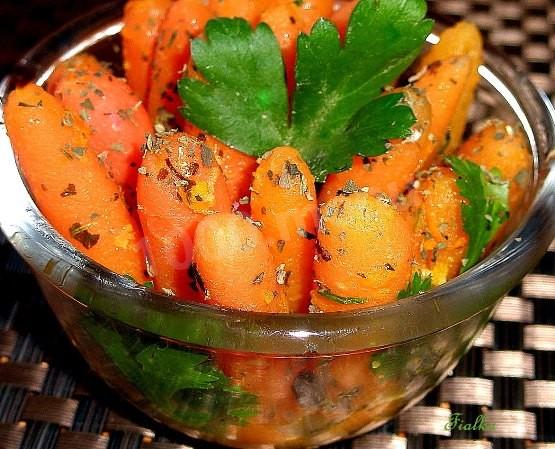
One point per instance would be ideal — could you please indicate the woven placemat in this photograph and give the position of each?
(48, 400)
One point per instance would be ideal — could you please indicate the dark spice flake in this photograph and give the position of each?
(22, 104)
(69, 191)
(87, 104)
(258, 279)
(81, 234)
(206, 156)
(305, 234)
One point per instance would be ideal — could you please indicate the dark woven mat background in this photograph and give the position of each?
(48, 400)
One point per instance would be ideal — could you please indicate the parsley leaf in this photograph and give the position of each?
(178, 369)
(417, 285)
(244, 99)
(183, 384)
(337, 111)
(384, 118)
(487, 206)
(334, 82)
(341, 299)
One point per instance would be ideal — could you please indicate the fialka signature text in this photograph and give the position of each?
(456, 422)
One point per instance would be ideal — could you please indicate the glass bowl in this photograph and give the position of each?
(260, 380)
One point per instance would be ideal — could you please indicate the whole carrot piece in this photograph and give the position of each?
(184, 20)
(444, 83)
(141, 24)
(179, 183)
(500, 146)
(238, 167)
(75, 67)
(365, 250)
(68, 184)
(236, 265)
(391, 173)
(289, 18)
(440, 238)
(250, 10)
(283, 200)
(116, 117)
(464, 38)
(341, 15)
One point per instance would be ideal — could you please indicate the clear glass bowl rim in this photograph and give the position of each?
(377, 327)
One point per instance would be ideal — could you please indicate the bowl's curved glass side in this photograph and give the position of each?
(86, 282)
(224, 397)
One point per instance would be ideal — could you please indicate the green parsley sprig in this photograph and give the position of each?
(341, 299)
(183, 384)
(337, 111)
(417, 285)
(486, 209)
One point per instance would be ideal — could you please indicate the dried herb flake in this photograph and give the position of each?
(82, 235)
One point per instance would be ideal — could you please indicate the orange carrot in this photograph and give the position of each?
(365, 249)
(462, 39)
(184, 20)
(391, 173)
(141, 23)
(279, 408)
(237, 167)
(287, 19)
(75, 67)
(70, 187)
(441, 241)
(236, 265)
(342, 14)
(312, 10)
(444, 84)
(284, 200)
(501, 147)
(250, 10)
(118, 121)
(179, 183)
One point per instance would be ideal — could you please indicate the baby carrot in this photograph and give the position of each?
(279, 408)
(342, 14)
(75, 67)
(141, 23)
(501, 147)
(444, 84)
(441, 241)
(237, 167)
(236, 265)
(391, 173)
(179, 182)
(365, 249)
(70, 187)
(116, 117)
(287, 19)
(184, 20)
(284, 200)
(250, 10)
(312, 10)
(462, 39)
